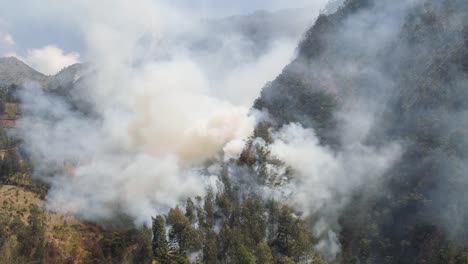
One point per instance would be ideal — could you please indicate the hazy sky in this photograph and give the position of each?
(225, 7)
(164, 109)
(44, 28)
(34, 23)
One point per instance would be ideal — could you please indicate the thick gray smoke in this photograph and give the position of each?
(160, 110)
(351, 70)
(324, 180)
(156, 110)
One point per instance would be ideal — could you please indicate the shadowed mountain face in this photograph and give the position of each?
(380, 71)
(14, 71)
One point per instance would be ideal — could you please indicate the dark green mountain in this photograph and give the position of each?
(405, 64)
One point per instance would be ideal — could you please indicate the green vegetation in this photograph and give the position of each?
(310, 105)
(227, 229)
(29, 234)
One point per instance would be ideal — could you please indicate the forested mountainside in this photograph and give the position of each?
(231, 225)
(401, 65)
(373, 77)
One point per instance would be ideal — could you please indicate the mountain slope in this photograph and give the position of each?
(14, 71)
(401, 67)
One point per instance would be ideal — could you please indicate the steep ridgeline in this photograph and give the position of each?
(390, 71)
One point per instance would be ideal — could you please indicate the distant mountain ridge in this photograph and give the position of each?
(257, 32)
(13, 71)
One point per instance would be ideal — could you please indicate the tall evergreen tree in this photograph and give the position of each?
(160, 247)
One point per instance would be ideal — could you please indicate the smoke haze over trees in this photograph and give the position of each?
(274, 137)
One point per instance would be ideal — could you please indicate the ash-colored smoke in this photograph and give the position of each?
(156, 111)
(325, 179)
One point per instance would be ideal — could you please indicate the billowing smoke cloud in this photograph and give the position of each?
(323, 173)
(338, 150)
(163, 99)
(324, 179)
(154, 110)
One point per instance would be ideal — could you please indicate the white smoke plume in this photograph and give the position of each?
(158, 112)
(325, 179)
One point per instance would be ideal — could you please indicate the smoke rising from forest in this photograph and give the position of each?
(156, 110)
(351, 72)
(361, 129)
(160, 110)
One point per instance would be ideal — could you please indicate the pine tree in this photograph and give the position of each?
(181, 233)
(209, 207)
(253, 220)
(285, 221)
(210, 249)
(263, 253)
(160, 247)
(190, 210)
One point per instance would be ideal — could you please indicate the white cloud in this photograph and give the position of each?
(7, 42)
(6, 39)
(50, 59)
